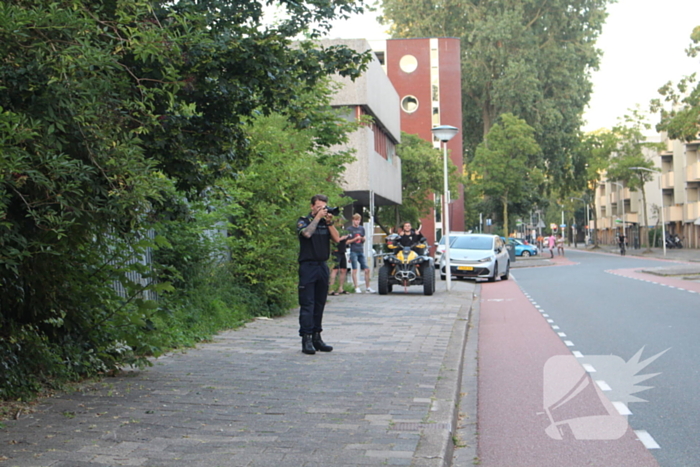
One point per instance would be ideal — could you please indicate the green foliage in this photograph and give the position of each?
(591, 158)
(262, 215)
(532, 59)
(682, 120)
(116, 121)
(422, 175)
(506, 163)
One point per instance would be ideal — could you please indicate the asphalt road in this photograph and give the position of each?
(602, 308)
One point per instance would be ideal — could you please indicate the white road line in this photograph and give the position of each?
(588, 367)
(545, 315)
(555, 327)
(550, 320)
(577, 354)
(562, 334)
(603, 385)
(646, 439)
(622, 408)
(569, 343)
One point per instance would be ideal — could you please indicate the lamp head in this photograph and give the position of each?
(444, 132)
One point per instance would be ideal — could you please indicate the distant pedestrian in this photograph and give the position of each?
(551, 243)
(315, 233)
(357, 253)
(560, 245)
(340, 263)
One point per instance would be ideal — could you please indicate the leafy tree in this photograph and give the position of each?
(532, 59)
(682, 121)
(110, 113)
(593, 152)
(506, 163)
(422, 170)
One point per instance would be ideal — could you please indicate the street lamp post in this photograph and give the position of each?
(663, 222)
(445, 133)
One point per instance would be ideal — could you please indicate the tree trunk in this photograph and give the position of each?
(656, 227)
(646, 221)
(487, 119)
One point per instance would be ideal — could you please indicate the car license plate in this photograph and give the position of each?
(465, 268)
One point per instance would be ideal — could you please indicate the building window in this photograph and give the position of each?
(382, 144)
(408, 63)
(380, 56)
(409, 104)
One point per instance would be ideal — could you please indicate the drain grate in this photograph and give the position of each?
(420, 427)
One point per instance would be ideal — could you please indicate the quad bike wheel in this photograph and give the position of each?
(428, 279)
(383, 285)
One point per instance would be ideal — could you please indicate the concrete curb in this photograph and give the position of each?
(466, 452)
(436, 446)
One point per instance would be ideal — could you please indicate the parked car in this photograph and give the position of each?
(522, 249)
(440, 246)
(477, 256)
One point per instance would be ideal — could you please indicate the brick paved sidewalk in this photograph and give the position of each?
(385, 396)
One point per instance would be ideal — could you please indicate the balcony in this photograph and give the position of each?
(668, 181)
(692, 172)
(673, 213)
(691, 211)
(631, 218)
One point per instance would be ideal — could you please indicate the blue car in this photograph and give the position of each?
(521, 249)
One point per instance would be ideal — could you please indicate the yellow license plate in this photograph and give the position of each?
(465, 268)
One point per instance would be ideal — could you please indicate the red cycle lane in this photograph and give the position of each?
(523, 366)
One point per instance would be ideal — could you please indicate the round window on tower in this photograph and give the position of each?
(408, 63)
(409, 104)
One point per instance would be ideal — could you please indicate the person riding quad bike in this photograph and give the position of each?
(406, 263)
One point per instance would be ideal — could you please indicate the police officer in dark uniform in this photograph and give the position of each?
(315, 232)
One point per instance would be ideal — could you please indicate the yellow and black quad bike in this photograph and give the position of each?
(406, 265)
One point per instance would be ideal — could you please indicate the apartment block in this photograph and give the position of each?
(675, 188)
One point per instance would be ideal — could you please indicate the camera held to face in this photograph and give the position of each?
(332, 211)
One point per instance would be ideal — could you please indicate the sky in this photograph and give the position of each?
(643, 44)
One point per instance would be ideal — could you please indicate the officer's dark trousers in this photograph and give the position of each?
(313, 290)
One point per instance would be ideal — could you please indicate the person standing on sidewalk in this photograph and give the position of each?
(560, 245)
(340, 263)
(357, 252)
(551, 242)
(315, 233)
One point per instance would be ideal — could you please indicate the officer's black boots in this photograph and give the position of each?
(307, 345)
(319, 344)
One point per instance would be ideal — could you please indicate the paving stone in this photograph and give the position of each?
(251, 398)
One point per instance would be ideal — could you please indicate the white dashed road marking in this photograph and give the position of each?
(646, 439)
(621, 407)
